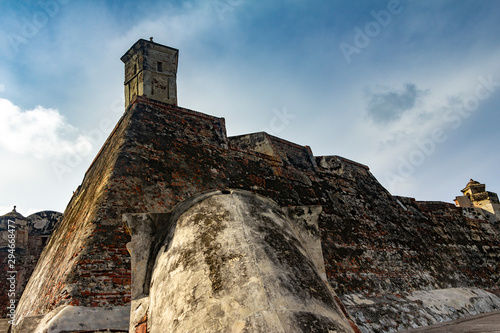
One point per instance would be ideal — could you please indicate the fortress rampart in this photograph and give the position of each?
(382, 257)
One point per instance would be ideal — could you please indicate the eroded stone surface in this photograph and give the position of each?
(233, 263)
(391, 313)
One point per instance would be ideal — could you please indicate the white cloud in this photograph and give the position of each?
(39, 132)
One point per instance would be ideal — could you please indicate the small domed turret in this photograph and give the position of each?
(14, 214)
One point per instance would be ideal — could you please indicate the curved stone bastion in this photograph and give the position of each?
(228, 261)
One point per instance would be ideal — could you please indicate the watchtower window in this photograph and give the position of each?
(159, 66)
(135, 68)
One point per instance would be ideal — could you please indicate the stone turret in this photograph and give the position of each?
(151, 71)
(473, 188)
(476, 196)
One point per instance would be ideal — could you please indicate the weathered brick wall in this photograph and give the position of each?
(372, 244)
(471, 247)
(78, 262)
(138, 169)
(161, 154)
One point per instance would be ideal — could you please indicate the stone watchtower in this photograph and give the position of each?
(151, 71)
(474, 190)
(475, 195)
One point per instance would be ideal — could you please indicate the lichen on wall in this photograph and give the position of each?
(232, 262)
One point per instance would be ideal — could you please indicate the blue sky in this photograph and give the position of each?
(409, 88)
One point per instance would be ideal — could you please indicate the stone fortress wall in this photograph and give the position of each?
(390, 260)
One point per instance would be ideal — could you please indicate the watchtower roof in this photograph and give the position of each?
(141, 43)
(472, 184)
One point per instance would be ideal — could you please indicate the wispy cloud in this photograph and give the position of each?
(39, 132)
(389, 105)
